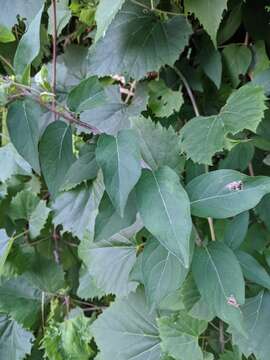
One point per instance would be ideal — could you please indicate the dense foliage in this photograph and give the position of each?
(134, 180)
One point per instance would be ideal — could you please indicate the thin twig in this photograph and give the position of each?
(54, 55)
(197, 113)
(250, 169)
(155, 9)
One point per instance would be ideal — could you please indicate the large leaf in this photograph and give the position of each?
(76, 209)
(109, 222)
(236, 230)
(21, 300)
(110, 261)
(257, 323)
(15, 341)
(162, 272)
(23, 125)
(179, 336)
(214, 194)
(209, 13)
(105, 13)
(120, 161)
(25, 8)
(38, 219)
(136, 54)
(203, 136)
(253, 270)
(128, 331)
(159, 146)
(213, 269)
(161, 196)
(55, 151)
(29, 45)
(114, 114)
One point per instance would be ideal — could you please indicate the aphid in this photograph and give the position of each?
(232, 301)
(235, 185)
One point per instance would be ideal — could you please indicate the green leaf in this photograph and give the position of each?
(138, 54)
(110, 261)
(241, 56)
(159, 146)
(15, 341)
(38, 219)
(163, 101)
(109, 222)
(162, 192)
(203, 136)
(209, 13)
(253, 270)
(162, 273)
(212, 194)
(179, 336)
(63, 15)
(76, 209)
(21, 300)
(6, 35)
(210, 59)
(88, 94)
(88, 288)
(5, 247)
(213, 269)
(120, 161)
(105, 13)
(55, 151)
(23, 123)
(44, 273)
(236, 230)
(29, 45)
(257, 324)
(12, 163)
(25, 8)
(239, 157)
(127, 330)
(84, 168)
(23, 205)
(114, 114)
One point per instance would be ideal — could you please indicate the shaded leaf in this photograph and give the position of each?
(138, 54)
